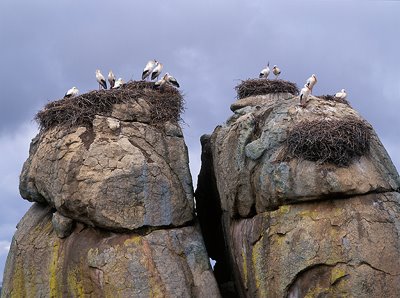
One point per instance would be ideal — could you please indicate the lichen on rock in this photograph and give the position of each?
(289, 225)
(100, 263)
(117, 173)
(114, 211)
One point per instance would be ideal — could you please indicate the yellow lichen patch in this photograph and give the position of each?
(244, 265)
(18, 281)
(258, 259)
(308, 213)
(32, 284)
(336, 274)
(284, 209)
(53, 269)
(74, 283)
(135, 240)
(94, 252)
(278, 239)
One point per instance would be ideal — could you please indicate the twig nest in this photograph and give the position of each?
(252, 87)
(336, 141)
(165, 105)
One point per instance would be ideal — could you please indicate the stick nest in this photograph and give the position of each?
(252, 87)
(166, 105)
(329, 141)
(333, 98)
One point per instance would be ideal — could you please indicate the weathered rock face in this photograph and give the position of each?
(332, 248)
(98, 263)
(250, 148)
(113, 213)
(121, 175)
(292, 227)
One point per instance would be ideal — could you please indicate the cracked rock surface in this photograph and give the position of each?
(120, 175)
(292, 227)
(113, 214)
(99, 263)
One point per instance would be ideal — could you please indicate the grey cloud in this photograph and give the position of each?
(209, 46)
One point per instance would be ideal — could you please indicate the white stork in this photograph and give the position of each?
(100, 79)
(311, 81)
(342, 94)
(111, 79)
(264, 73)
(276, 71)
(148, 68)
(71, 92)
(170, 79)
(157, 71)
(118, 83)
(304, 94)
(160, 83)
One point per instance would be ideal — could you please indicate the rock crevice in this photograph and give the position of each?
(292, 227)
(113, 212)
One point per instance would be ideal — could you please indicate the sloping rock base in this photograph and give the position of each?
(95, 263)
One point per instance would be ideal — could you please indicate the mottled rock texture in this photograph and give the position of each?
(118, 175)
(99, 263)
(293, 227)
(113, 213)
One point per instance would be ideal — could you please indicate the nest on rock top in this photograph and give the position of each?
(333, 98)
(166, 105)
(252, 87)
(336, 141)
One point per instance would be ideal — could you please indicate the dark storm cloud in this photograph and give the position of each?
(49, 46)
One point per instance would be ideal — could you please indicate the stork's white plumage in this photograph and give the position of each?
(148, 68)
(100, 79)
(276, 71)
(157, 71)
(170, 79)
(111, 79)
(160, 83)
(71, 92)
(264, 73)
(311, 81)
(342, 94)
(118, 83)
(304, 94)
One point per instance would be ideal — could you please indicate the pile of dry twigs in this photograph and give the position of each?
(252, 87)
(166, 105)
(329, 141)
(333, 98)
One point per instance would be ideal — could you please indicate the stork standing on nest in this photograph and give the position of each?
(118, 83)
(157, 71)
(71, 92)
(264, 73)
(304, 94)
(101, 80)
(342, 94)
(148, 68)
(170, 79)
(311, 81)
(276, 71)
(111, 79)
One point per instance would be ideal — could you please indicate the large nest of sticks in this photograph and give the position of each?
(329, 97)
(166, 105)
(252, 87)
(329, 141)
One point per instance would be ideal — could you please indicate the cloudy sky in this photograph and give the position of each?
(46, 47)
